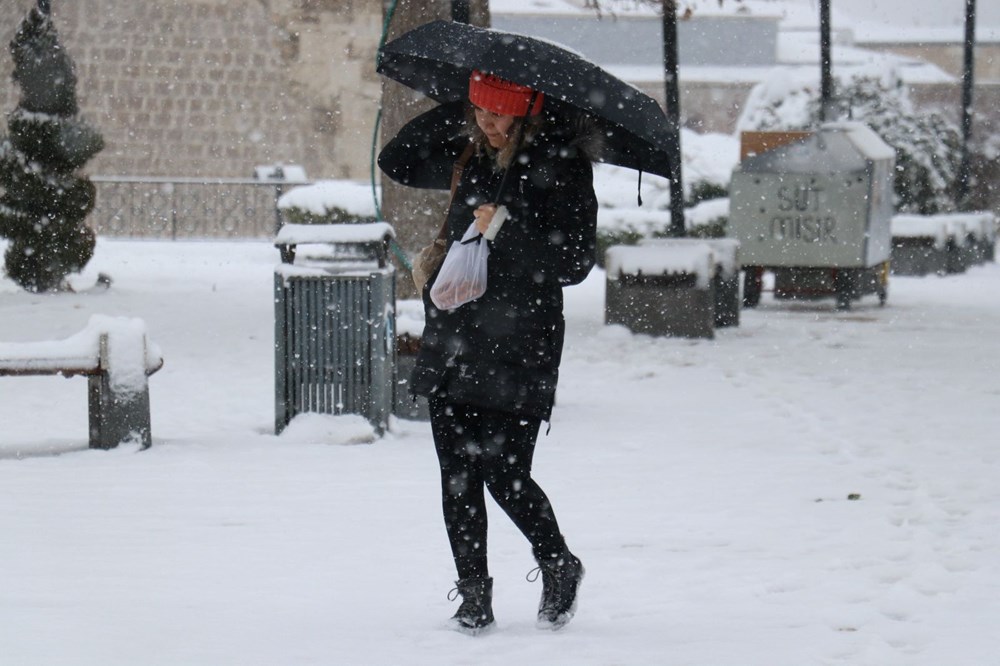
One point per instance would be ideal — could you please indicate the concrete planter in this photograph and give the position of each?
(726, 273)
(942, 244)
(918, 256)
(662, 289)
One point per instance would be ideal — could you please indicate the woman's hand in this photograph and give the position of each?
(484, 215)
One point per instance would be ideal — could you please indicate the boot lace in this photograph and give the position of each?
(549, 601)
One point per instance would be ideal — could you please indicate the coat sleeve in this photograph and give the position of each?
(570, 220)
(563, 222)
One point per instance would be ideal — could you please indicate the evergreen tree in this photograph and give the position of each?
(42, 203)
(928, 146)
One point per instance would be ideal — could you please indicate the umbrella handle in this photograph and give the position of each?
(520, 138)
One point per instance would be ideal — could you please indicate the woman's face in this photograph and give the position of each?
(496, 127)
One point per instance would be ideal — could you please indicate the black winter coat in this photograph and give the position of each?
(502, 351)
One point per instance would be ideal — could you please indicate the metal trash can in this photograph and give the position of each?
(816, 212)
(409, 337)
(334, 314)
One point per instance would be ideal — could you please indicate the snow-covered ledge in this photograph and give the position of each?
(116, 356)
(696, 258)
(938, 228)
(368, 241)
(943, 243)
(725, 251)
(959, 227)
(301, 234)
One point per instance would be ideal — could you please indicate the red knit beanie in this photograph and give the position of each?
(498, 96)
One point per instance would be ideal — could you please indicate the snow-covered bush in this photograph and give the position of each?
(704, 191)
(328, 202)
(927, 144)
(332, 215)
(708, 161)
(43, 203)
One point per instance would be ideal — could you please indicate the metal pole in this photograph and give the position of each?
(673, 109)
(962, 188)
(460, 11)
(825, 78)
(43, 7)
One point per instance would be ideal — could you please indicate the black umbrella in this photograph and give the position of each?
(437, 59)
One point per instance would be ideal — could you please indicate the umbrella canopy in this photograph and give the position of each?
(437, 59)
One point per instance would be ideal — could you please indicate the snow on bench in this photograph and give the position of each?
(116, 356)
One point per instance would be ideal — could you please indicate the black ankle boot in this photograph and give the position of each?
(475, 614)
(561, 578)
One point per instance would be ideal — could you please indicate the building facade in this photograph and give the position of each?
(213, 88)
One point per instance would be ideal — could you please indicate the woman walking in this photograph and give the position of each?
(489, 368)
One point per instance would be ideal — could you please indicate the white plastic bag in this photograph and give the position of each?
(462, 277)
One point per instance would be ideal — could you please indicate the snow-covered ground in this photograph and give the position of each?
(707, 486)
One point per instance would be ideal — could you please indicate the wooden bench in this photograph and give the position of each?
(117, 359)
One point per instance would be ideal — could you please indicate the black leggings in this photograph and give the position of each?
(479, 447)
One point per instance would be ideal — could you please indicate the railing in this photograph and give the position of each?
(186, 208)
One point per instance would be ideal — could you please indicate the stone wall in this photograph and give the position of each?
(950, 57)
(211, 88)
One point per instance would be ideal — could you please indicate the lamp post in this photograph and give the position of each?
(962, 189)
(673, 108)
(460, 11)
(825, 77)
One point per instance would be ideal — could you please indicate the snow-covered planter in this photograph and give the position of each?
(982, 227)
(941, 244)
(726, 273)
(329, 202)
(663, 289)
(921, 245)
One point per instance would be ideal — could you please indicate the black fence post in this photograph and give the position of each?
(673, 109)
(825, 63)
(968, 80)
